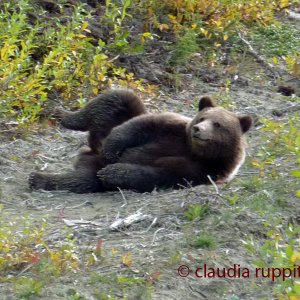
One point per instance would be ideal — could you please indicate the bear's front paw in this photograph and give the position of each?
(58, 113)
(38, 181)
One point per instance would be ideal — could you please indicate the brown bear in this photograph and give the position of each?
(132, 149)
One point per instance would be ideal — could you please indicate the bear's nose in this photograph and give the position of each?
(196, 129)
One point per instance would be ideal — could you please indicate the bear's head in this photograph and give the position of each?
(216, 132)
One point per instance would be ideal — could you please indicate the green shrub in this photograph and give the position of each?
(196, 211)
(45, 59)
(205, 241)
(281, 250)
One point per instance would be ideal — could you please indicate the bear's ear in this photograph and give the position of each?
(205, 102)
(245, 122)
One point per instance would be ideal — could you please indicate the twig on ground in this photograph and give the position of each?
(260, 59)
(123, 197)
(80, 222)
(79, 205)
(126, 222)
(155, 233)
(214, 185)
(149, 227)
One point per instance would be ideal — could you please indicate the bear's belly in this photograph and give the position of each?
(147, 154)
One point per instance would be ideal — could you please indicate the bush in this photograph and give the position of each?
(43, 60)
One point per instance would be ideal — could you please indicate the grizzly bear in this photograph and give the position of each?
(132, 149)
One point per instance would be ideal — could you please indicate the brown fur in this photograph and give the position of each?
(134, 150)
(102, 114)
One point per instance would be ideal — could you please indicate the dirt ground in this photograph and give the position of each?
(163, 240)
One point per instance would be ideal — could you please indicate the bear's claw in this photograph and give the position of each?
(37, 181)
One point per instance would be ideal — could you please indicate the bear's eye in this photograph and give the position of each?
(217, 124)
(201, 119)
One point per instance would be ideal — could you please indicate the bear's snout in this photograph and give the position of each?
(203, 127)
(195, 129)
(202, 131)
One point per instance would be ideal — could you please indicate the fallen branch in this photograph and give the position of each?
(260, 59)
(126, 222)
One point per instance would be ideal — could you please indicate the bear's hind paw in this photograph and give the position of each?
(38, 181)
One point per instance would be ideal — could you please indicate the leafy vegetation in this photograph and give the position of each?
(280, 43)
(296, 173)
(22, 244)
(205, 241)
(41, 60)
(277, 40)
(280, 250)
(196, 211)
(124, 284)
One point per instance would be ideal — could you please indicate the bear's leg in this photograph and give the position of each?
(72, 120)
(88, 160)
(95, 139)
(132, 176)
(103, 113)
(79, 181)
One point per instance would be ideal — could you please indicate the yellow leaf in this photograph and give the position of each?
(163, 27)
(205, 32)
(284, 3)
(295, 256)
(219, 24)
(101, 77)
(295, 297)
(147, 34)
(225, 37)
(84, 25)
(114, 251)
(256, 163)
(296, 69)
(127, 260)
(172, 18)
(60, 60)
(275, 60)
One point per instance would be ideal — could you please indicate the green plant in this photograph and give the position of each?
(40, 60)
(281, 250)
(293, 63)
(232, 199)
(277, 39)
(27, 287)
(115, 14)
(196, 211)
(281, 140)
(74, 295)
(129, 286)
(205, 241)
(23, 245)
(184, 48)
(296, 173)
(214, 20)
